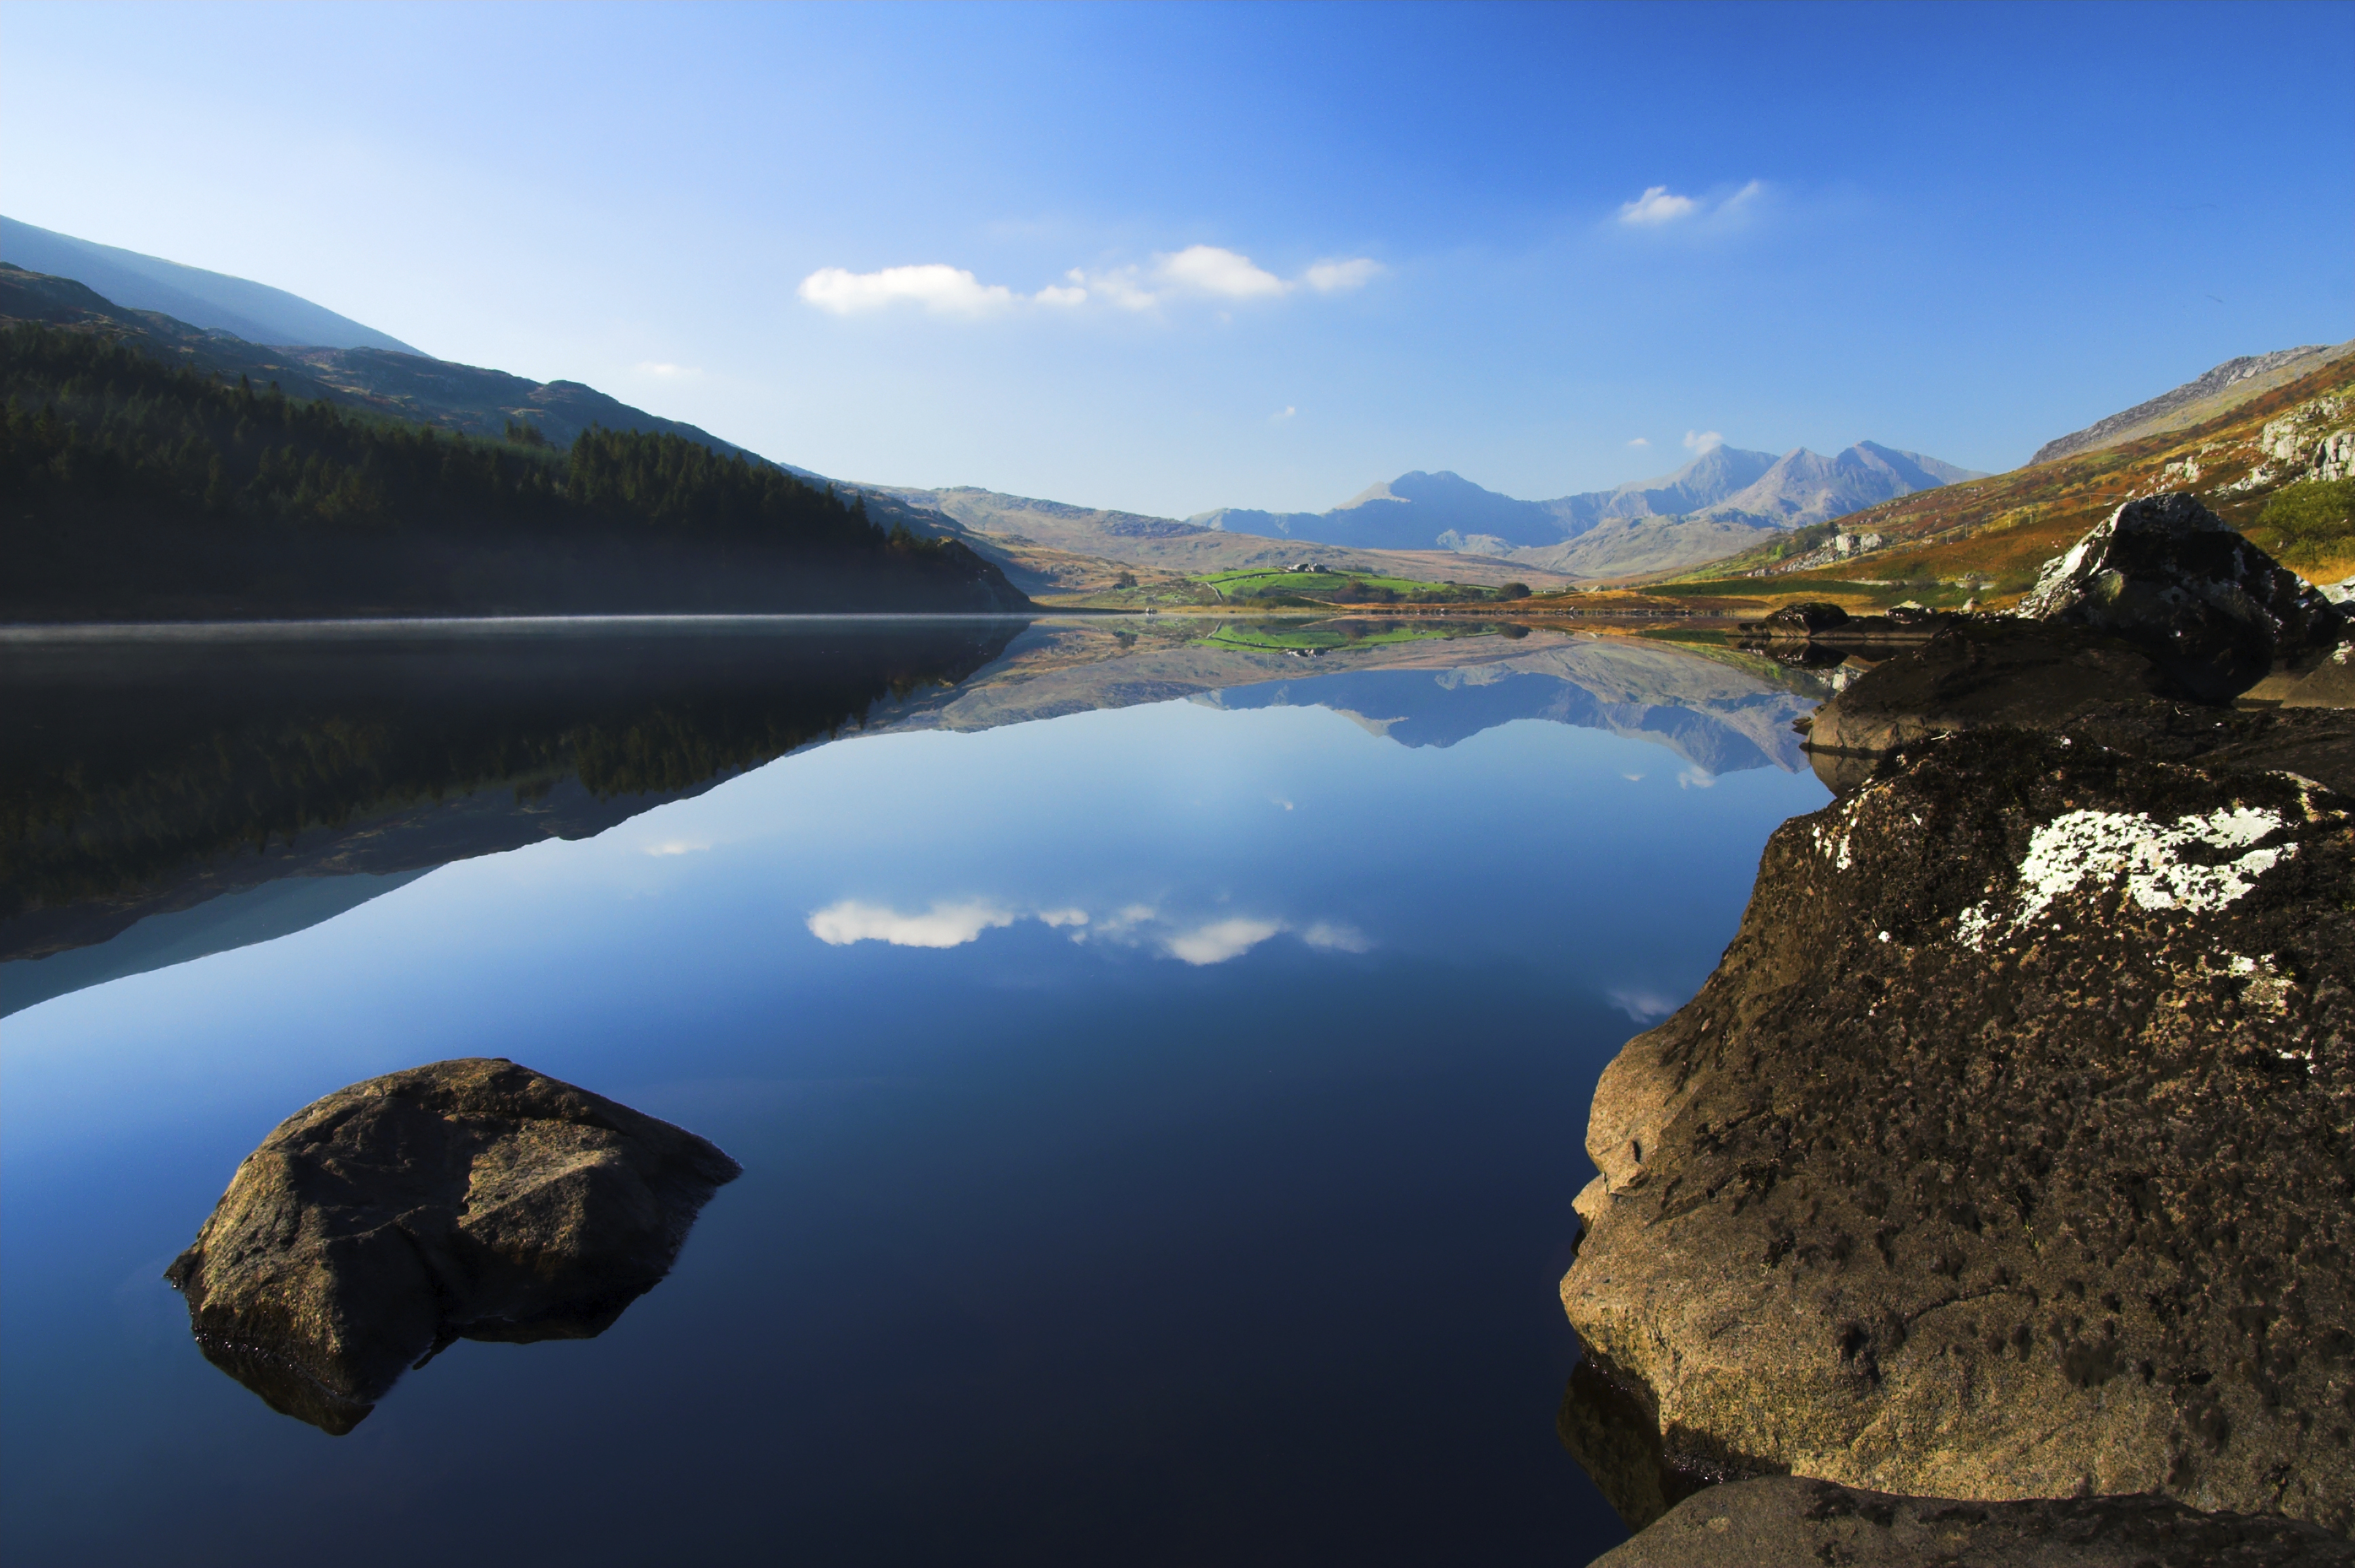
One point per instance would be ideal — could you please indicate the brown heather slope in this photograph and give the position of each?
(1989, 538)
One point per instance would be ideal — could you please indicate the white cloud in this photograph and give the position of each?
(667, 372)
(1331, 936)
(1059, 918)
(1695, 778)
(1640, 441)
(1281, 414)
(1209, 270)
(679, 847)
(1199, 271)
(1660, 206)
(1332, 277)
(1655, 206)
(1702, 439)
(1643, 1005)
(1221, 940)
(944, 290)
(943, 925)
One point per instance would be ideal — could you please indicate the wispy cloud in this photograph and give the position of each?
(1281, 414)
(679, 847)
(667, 372)
(1659, 208)
(1198, 271)
(1702, 439)
(1332, 277)
(943, 925)
(1640, 441)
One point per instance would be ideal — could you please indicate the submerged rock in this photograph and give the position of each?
(472, 1200)
(2010, 1150)
(2167, 574)
(1787, 1522)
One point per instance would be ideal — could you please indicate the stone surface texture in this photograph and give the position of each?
(2211, 609)
(472, 1199)
(2010, 1150)
(1787, 1522)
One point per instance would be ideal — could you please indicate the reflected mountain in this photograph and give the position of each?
(1720, 716)
(177, 792)
(189, 790)
(1722, 709)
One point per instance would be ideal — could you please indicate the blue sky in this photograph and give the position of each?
(1240, 255)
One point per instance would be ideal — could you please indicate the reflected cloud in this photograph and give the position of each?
(943, 925)
(1693, 778)
(679, 847)
(953, 923)
(1329, 937)
(1642, 1005)
(1221, 940)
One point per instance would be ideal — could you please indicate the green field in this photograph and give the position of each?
(1319, 587)
(1318, 636)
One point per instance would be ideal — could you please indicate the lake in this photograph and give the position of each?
(1159, 1055)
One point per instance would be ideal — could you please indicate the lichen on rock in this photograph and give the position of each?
(1981, 1169)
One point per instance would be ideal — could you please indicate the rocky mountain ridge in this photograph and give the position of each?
(2202, 398)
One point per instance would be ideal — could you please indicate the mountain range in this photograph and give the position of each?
(1446, 511)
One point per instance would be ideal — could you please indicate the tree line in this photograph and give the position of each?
(109, 456)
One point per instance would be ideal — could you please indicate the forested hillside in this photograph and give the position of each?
(138, 488)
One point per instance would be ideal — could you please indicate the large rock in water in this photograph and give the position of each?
(471, 1199)
(2166, 573)
(1787, 1522)
(2011, 1151)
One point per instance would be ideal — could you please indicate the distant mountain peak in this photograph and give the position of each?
(214, 301)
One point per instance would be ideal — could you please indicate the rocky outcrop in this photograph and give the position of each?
(1804, 619)
(2010, 1150)
(2214, 612)
(472, 1200)
(1992, 672)
(1787, 1522)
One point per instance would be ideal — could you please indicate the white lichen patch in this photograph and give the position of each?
(2104, 846)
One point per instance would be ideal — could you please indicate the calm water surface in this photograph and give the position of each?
(1159, 1069)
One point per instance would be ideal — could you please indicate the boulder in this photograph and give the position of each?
(1803, 620)
(2330, 684)
(1985, 671)
(1787, 1522)
(2168, 575)
(1997, 672)
(2009, 1152)
(472, 1200)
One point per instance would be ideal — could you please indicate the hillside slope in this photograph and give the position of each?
(209, 301)
(143, 487)
(1989, 538)
(1029, 530)
(2219, 391)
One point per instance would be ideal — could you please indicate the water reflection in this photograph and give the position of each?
(1225, 1239)
(169, 795)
